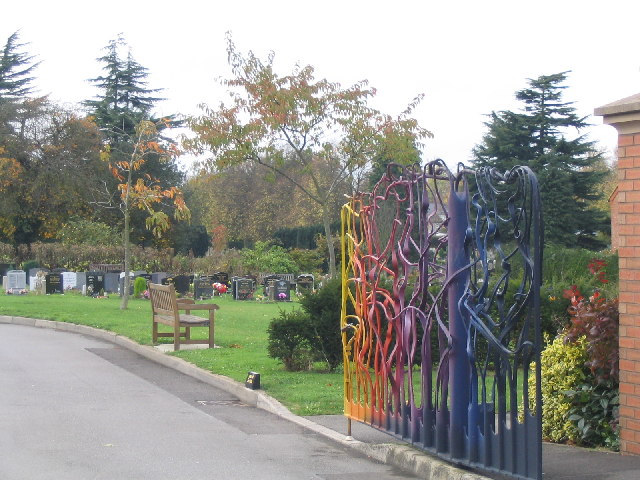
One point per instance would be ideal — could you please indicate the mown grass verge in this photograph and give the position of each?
(240, 330)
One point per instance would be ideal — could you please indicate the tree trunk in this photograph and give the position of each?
(124, 302)
(326, 218)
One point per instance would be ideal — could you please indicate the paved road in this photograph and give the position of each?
(74, 407)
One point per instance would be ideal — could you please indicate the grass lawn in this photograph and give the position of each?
(241, 328)
(241, 331)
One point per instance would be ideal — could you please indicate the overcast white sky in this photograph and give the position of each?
(467, 57)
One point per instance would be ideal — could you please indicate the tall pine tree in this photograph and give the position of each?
(568, 166)
(124, 101)
(16, 68)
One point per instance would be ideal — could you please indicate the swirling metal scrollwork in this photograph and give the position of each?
(440, 315)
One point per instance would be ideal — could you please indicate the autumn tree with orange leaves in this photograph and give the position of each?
(295, 121)
(144, 192)
(140, 158)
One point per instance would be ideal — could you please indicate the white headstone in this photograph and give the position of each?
(68, 280)
(16, 281)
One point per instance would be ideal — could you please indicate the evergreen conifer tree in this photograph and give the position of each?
(568, 168)
(125, 99)
(123, 102)
(16, 70)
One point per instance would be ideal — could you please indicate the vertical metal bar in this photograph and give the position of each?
(458, 276)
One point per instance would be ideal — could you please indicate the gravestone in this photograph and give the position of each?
(121, 283)
(234, 280)
(181, 284)
(69, 281)
(305, 283)
(243, 289)
(269, 282)
(95, 283)
(221, 277)
(168, 280)
(202, 288)
(38, 283)
(282, 289)
(34, 271)
(16, 281)
(111, 282)
(254, 281)
(53, 283)
(81, 280)
(157, 277)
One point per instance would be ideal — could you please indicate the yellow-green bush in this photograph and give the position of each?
(562, 368)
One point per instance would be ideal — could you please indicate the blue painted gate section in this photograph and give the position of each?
(441, 313)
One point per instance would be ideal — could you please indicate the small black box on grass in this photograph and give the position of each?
(253, 381)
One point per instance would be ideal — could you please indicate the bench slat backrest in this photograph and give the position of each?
(163, 301)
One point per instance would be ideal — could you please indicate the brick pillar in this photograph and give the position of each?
(624, 115)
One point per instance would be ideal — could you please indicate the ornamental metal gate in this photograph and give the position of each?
(440, 316)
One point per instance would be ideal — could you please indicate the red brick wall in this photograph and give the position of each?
(615, 228)
(626, 216)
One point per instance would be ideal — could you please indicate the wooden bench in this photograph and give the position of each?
(166, 307)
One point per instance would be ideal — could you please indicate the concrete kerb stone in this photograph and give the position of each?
(29, 322)
(404, 457)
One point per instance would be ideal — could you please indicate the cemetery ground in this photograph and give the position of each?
(240, 332)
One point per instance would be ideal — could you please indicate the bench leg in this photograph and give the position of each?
(211, 329)
(176, 336)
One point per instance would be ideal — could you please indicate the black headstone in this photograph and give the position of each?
(203, 288)
(234, 282)
(282, 290)
(111, 282)
(221, 277)
(95, 283)
(53, 282)
(243, 289)
(181, 284)
(207, 278)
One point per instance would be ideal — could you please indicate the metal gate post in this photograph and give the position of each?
(458, 278)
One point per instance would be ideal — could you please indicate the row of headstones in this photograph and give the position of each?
(43, 280)
(275, 286)
(93, 283)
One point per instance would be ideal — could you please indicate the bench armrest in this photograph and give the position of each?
(198, 306)
(185, 300)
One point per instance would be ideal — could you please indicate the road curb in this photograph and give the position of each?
(402, 456)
